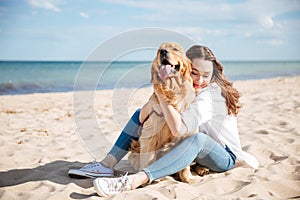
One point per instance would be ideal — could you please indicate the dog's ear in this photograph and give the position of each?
(187, 68)
(153, 74)
(154, 70)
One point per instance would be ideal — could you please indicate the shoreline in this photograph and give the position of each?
(131, 88)
(41, 138)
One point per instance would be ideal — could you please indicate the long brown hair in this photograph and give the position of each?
(231, 94)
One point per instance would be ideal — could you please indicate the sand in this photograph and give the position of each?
(42, 136)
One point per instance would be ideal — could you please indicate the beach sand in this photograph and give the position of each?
(42, 137)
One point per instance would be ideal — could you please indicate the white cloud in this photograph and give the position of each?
(84, 15)
(266, 22)
(214, 19)
(205, 13)
(48, 5)
(178, 11)
(274, 42)
(198, 33)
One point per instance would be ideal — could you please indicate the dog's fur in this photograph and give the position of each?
(177, 89)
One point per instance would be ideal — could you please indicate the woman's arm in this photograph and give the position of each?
(172, 117)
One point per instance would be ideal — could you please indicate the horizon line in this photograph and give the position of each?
(225, 60)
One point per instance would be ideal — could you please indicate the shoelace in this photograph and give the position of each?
(92, 165)
(118, 184)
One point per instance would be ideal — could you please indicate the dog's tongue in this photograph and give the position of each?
(164, 71)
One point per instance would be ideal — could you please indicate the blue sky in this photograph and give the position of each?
(71, 29)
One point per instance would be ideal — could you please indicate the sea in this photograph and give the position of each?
(26, 77)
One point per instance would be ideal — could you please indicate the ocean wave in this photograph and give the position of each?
(19, 88)
(40, 77)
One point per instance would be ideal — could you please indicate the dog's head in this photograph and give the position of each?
(170, 61)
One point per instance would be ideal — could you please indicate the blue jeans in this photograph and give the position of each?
(129, 133)
(200, 147)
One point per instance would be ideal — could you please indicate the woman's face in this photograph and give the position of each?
(202, 71)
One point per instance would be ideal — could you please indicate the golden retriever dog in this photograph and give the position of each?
(170, 76)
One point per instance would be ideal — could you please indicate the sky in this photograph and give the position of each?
(72, 29)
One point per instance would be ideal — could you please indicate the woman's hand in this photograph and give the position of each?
(172, 117)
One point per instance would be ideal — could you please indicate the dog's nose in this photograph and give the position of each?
(163, 52)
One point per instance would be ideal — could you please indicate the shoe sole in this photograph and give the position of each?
(98, 190)
(80, 174)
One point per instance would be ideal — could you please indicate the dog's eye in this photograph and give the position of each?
(175, 49)
(177, 67)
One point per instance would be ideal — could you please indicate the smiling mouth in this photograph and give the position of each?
(175, 66)
(165, 62)
(197, 86)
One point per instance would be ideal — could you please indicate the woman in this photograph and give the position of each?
(213, 112)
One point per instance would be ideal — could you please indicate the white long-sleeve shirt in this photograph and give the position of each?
(209, 114)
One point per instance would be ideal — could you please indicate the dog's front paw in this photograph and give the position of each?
(186, 176)
(201, 171)
(157, 109)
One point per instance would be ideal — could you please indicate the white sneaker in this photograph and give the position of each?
(108, 186)
(93, 170)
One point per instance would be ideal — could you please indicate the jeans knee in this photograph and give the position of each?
(200, 137)
(136, 117)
